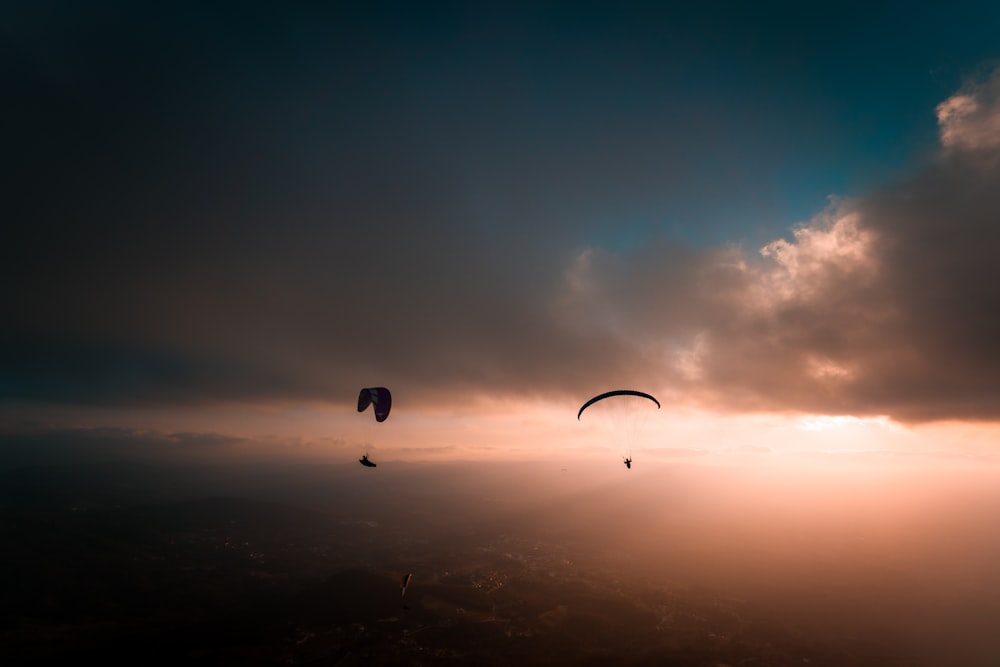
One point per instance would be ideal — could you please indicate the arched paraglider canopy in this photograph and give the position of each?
(621, 418)
(378, 397)
(616, 392)
(403, 583)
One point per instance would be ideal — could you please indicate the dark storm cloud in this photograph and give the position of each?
(210, 206)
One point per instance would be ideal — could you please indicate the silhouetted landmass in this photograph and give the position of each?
(148, 566)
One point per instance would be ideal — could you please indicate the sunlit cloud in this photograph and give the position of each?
(688, 360)
(830, 422)
(883, 304)
(970, 120)
(825, 369)
(832, 246)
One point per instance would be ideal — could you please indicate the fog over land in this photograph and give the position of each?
(759, 561)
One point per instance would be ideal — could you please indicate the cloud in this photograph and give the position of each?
(887, 304)
(970, 120)
(168, 246)
(738, 332)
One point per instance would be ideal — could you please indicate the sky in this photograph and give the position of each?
(220, 223)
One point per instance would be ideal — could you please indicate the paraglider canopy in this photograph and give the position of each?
(378, 397)
(616, 392)
(403, 583)
(624, 415)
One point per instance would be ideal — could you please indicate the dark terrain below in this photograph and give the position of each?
(302, 566)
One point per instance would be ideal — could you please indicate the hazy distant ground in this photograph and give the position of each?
(883, 561)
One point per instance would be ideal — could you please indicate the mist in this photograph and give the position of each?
(832, 559)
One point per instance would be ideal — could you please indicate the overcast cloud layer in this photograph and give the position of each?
(163, 249)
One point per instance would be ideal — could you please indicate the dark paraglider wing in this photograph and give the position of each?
(380, 397)
(616, 392)
(403, 583)
(364, 399)
(383, 403)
